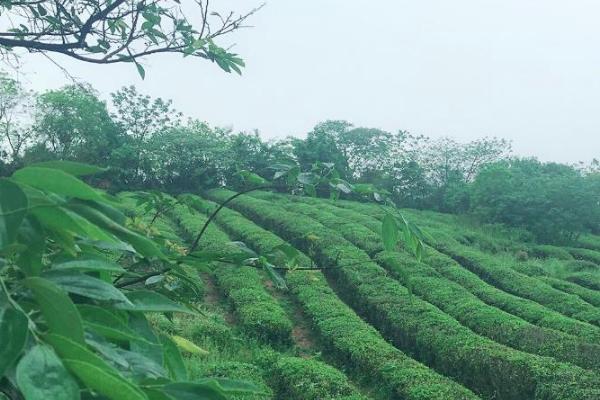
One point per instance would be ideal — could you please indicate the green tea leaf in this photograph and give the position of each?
(234, 386)
(88, 265)
(106, 323)
(389, 232)
(13, 207)
(13, 336)
(173, 359)
(188, 346)
(194, 391)
(59, 311)
(42, 376)
(147, 301)
(67, 348)
(142, 245)
(56, 181)
(112, 386)
(85, 285)
(70, 167)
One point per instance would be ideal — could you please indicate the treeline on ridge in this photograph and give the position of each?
(148, 144)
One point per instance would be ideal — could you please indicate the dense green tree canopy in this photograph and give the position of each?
(554, 201)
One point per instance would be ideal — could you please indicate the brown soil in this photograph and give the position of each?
(301, 332)
(212, 297)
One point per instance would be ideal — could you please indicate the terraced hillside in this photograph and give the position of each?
(481, 316)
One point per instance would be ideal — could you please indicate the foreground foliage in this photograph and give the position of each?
(72, 321)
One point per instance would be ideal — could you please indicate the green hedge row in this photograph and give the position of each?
(588, 280)
(234, 370)
(259, 313)
(519, 284)
(524, 308)
(295, 378)
(161, 225)
(549, 251)
(585, 254)
(503, 274)
(588, 241)
(344, 334)
(419, 327)
(589, 295)
(192, 222)
(455, 300)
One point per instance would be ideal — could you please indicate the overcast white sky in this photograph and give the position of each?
(526, 70)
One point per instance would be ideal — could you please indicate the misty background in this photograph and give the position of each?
(527, 71)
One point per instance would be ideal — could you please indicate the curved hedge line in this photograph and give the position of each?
(588, 241)
(520, 284)
(419, 327)
(192, 222)
(234, 370)
(456, 300)
(450, 269)
(162, 224)
(258, 312)
(295, 378)
(506, 278)
(585, 254)
(344, 334)
(589, 295)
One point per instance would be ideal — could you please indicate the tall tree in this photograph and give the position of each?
(72, 123)
(322, 145)
(15, 107)
(140, 116)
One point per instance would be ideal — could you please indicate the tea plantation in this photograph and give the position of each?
(482, 314)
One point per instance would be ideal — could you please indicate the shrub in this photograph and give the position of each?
(297, 378)
(549, 251)
(524, 308)
(456, 300)
(344, 334)
(422, 329)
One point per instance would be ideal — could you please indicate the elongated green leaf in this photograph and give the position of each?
(151, 346)
(188, 346)
(147, 301)
(13, 207)
(33, 237)
(156, 394)
(59, 219)
(341, 185)
(193, 391)
(59, 311)
(142, 245)
(308, 178)
(106, 323)
(140, 70)
(56, 181)
(85, 285)
(173, 359)
(252, 178)
(13, 336)
(274, 276)
(112, 386)
(389, 232)
(132, 363)
(42, 376)
(70, 167)
(88, 265)
(67, 348)
(234, 386)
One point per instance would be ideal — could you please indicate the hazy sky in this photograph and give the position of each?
(526, 70)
